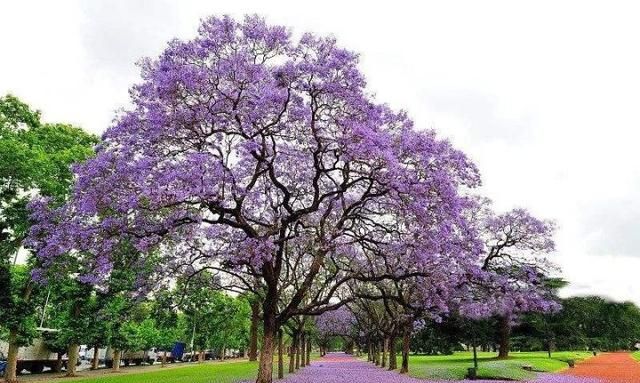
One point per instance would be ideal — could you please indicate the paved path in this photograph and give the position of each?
(342, 368)
(618, 367)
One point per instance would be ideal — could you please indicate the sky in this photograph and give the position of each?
(544, 96)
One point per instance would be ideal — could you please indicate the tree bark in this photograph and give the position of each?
(376, 354)
(393, 360)
(292, 353)
(72, 353)
(383, 364)
(280, 355)
(96, 358)
(253, 331)
(406, 337)
(303, 349)
(265, 367)
(297, 346)
(116, 360)
(369, 352)
(504, 337)
(164, 359)
(58, 367)
(12, 357)
(308, 351)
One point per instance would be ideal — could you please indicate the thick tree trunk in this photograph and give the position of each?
(164, 359)
(96, 358)
(393, 360)
(72, 353)
(383, 364)
(116, 360)
(308, 351)
(406, 337)
(265, 368)
(253, 331)
(11, 371)
(280, 355)
(504, 337)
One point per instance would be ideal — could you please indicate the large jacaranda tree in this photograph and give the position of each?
(263, 158)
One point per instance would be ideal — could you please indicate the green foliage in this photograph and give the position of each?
(35, 158)
(213, 319)
(583, 323)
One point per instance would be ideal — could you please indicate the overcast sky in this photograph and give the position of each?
(543, 96)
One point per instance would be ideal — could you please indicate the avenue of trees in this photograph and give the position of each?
(257, 197)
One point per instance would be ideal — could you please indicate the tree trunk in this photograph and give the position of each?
(308, 351)
(12, 358)
(253, 331)
(505, 337)
(96, 358)
(116, 360)
(265, 368)
(369, 352)
(297, 366)
(393, 360)
(376, 354)
(303, 349)
(280, 355)
(383, 364)
(58, 366)
(406, 338)
(72, 353)
(164, 359)
(292, 353)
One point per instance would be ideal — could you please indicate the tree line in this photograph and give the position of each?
(261, 167)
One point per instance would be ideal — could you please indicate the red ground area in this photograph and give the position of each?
(618, 367)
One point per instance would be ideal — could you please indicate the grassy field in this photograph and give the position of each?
(455, 366)
(212, 372)
(636, 355)
(224, 372)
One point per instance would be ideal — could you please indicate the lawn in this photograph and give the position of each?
(636, 355)
(489, 367)
(223, 372)
(212, 372)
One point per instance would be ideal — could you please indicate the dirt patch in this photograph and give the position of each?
(618, 367)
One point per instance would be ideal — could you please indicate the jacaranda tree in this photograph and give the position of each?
(515, 269)
(250, 154)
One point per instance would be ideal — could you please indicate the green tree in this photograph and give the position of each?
(35, 158)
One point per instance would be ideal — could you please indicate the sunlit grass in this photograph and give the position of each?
(455, 366)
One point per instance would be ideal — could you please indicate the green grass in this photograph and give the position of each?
(224, 372)
(210, 372)
(453, 367)
(636, 355)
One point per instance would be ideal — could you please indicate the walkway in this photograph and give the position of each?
(618, 367)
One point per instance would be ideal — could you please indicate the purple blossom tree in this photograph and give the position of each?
(258, 157)
(514, 269)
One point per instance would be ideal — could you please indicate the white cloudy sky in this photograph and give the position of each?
(543, 95)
